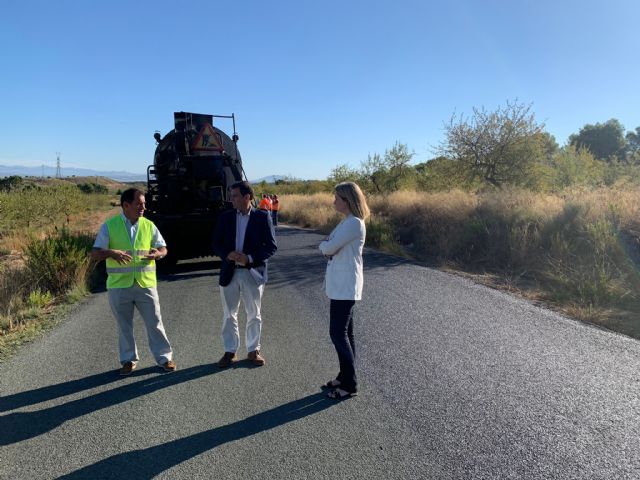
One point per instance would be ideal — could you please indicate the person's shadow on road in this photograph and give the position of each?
(148, 462)
(19, 426)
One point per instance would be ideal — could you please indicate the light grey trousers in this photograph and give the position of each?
(122, 301)
(244, 286)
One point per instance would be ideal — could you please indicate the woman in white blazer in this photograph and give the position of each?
(343, 280)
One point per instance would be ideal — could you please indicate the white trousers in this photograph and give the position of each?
(244, 286)
(122, 301)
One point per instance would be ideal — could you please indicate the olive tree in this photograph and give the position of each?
(397, 160)
(389, 172)
(373, 172)
(342, 173)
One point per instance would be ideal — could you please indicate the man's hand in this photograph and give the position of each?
(152, 254)
(120, 256)
(238, 257)
(156, 253)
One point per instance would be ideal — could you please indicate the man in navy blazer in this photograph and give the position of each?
(244, 239)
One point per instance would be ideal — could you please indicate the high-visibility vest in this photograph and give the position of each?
(141, 270)
(275, 205)
(265, 204)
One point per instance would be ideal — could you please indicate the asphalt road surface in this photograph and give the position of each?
(457, 382)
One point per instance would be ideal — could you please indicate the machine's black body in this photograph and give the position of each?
(188, 184)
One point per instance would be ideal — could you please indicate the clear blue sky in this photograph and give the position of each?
(313, 84)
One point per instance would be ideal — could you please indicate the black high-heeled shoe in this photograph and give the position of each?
(340, 394)
(332, 384)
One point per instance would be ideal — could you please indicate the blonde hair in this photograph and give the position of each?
(353, 196)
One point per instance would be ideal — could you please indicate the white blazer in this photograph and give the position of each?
(344, 279)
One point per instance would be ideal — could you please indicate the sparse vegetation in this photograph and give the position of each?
(46, 231)
(505, 203)
(575, 250)
(59, 261)
(501, 201)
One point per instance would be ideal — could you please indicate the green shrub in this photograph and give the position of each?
(58, 262)
(380, 235)
(90, 188)
(39, 299)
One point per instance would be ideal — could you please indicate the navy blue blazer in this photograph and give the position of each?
(259, 242)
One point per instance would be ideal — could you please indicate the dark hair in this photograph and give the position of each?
(244, 187)
(129, 195)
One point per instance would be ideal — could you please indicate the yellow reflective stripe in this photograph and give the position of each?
(141, 253)
(150, 268)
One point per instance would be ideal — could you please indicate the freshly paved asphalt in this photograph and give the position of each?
(457, 381)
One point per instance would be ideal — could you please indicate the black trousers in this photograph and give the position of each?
(341, 332)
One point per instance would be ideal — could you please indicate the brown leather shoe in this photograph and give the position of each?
(127, 368)
(169, 366)
(227, 359)
(255, 358)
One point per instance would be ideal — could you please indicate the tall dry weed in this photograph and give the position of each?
(309, 211)
(13, 242)
(624, 204)
(14, 288)
(424, 223)
(582, 246)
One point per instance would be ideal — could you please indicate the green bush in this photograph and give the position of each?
(58, 262)
(89, 188)
(39, 299)
(380, 235)
(10, 183)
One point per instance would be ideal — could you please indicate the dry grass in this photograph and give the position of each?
(25, 311)
(90, 221)
(622, 205)
(578, 251)
(12, 243)
(310, 211)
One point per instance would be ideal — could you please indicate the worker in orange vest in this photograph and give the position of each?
(275, 207)
(265, 203)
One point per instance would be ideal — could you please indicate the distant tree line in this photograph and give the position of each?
(10, 183)
(494, 149)
(93, 188)
(16, 183)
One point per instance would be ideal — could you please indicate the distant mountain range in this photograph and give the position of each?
(47, 171)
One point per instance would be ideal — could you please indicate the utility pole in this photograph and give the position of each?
(58, 173)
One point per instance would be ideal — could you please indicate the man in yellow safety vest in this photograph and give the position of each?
(131, 244)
